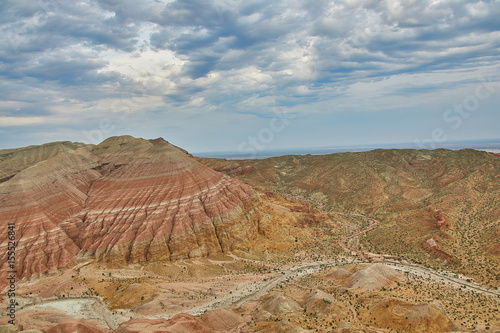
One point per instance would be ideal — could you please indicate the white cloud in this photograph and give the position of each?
(99, 57)
(21, 121)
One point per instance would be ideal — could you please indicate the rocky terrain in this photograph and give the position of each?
(144, 238)
(124, 200)
(438, 207)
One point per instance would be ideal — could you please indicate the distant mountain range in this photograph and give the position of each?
(482, 145)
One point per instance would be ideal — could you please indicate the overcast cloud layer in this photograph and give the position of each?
(229, 74)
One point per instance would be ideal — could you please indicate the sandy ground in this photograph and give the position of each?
(64, 295)
(231, 291)
(49, 313)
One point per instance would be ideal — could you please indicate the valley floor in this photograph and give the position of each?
(271, 285)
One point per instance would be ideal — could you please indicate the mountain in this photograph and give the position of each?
(138, 235)
(438, 207)
(124, 200)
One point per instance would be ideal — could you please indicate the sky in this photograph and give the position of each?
(250, 75)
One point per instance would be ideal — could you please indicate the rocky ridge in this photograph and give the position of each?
(124, 200)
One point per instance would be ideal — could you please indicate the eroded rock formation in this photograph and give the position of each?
(124, 200)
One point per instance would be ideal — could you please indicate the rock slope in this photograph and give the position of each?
(124, 200)
(450, 196)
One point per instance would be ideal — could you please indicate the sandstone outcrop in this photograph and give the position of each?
(124, 200)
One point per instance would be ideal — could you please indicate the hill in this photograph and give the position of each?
(124, 200)
(438, 207)
(136, 235)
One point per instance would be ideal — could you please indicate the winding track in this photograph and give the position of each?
(252, 291)
(313, 267)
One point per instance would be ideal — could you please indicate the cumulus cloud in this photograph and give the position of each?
(242, 57)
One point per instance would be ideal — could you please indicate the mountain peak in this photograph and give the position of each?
(124, 200)
(117, 140)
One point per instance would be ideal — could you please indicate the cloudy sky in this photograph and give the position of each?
(227, 75)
